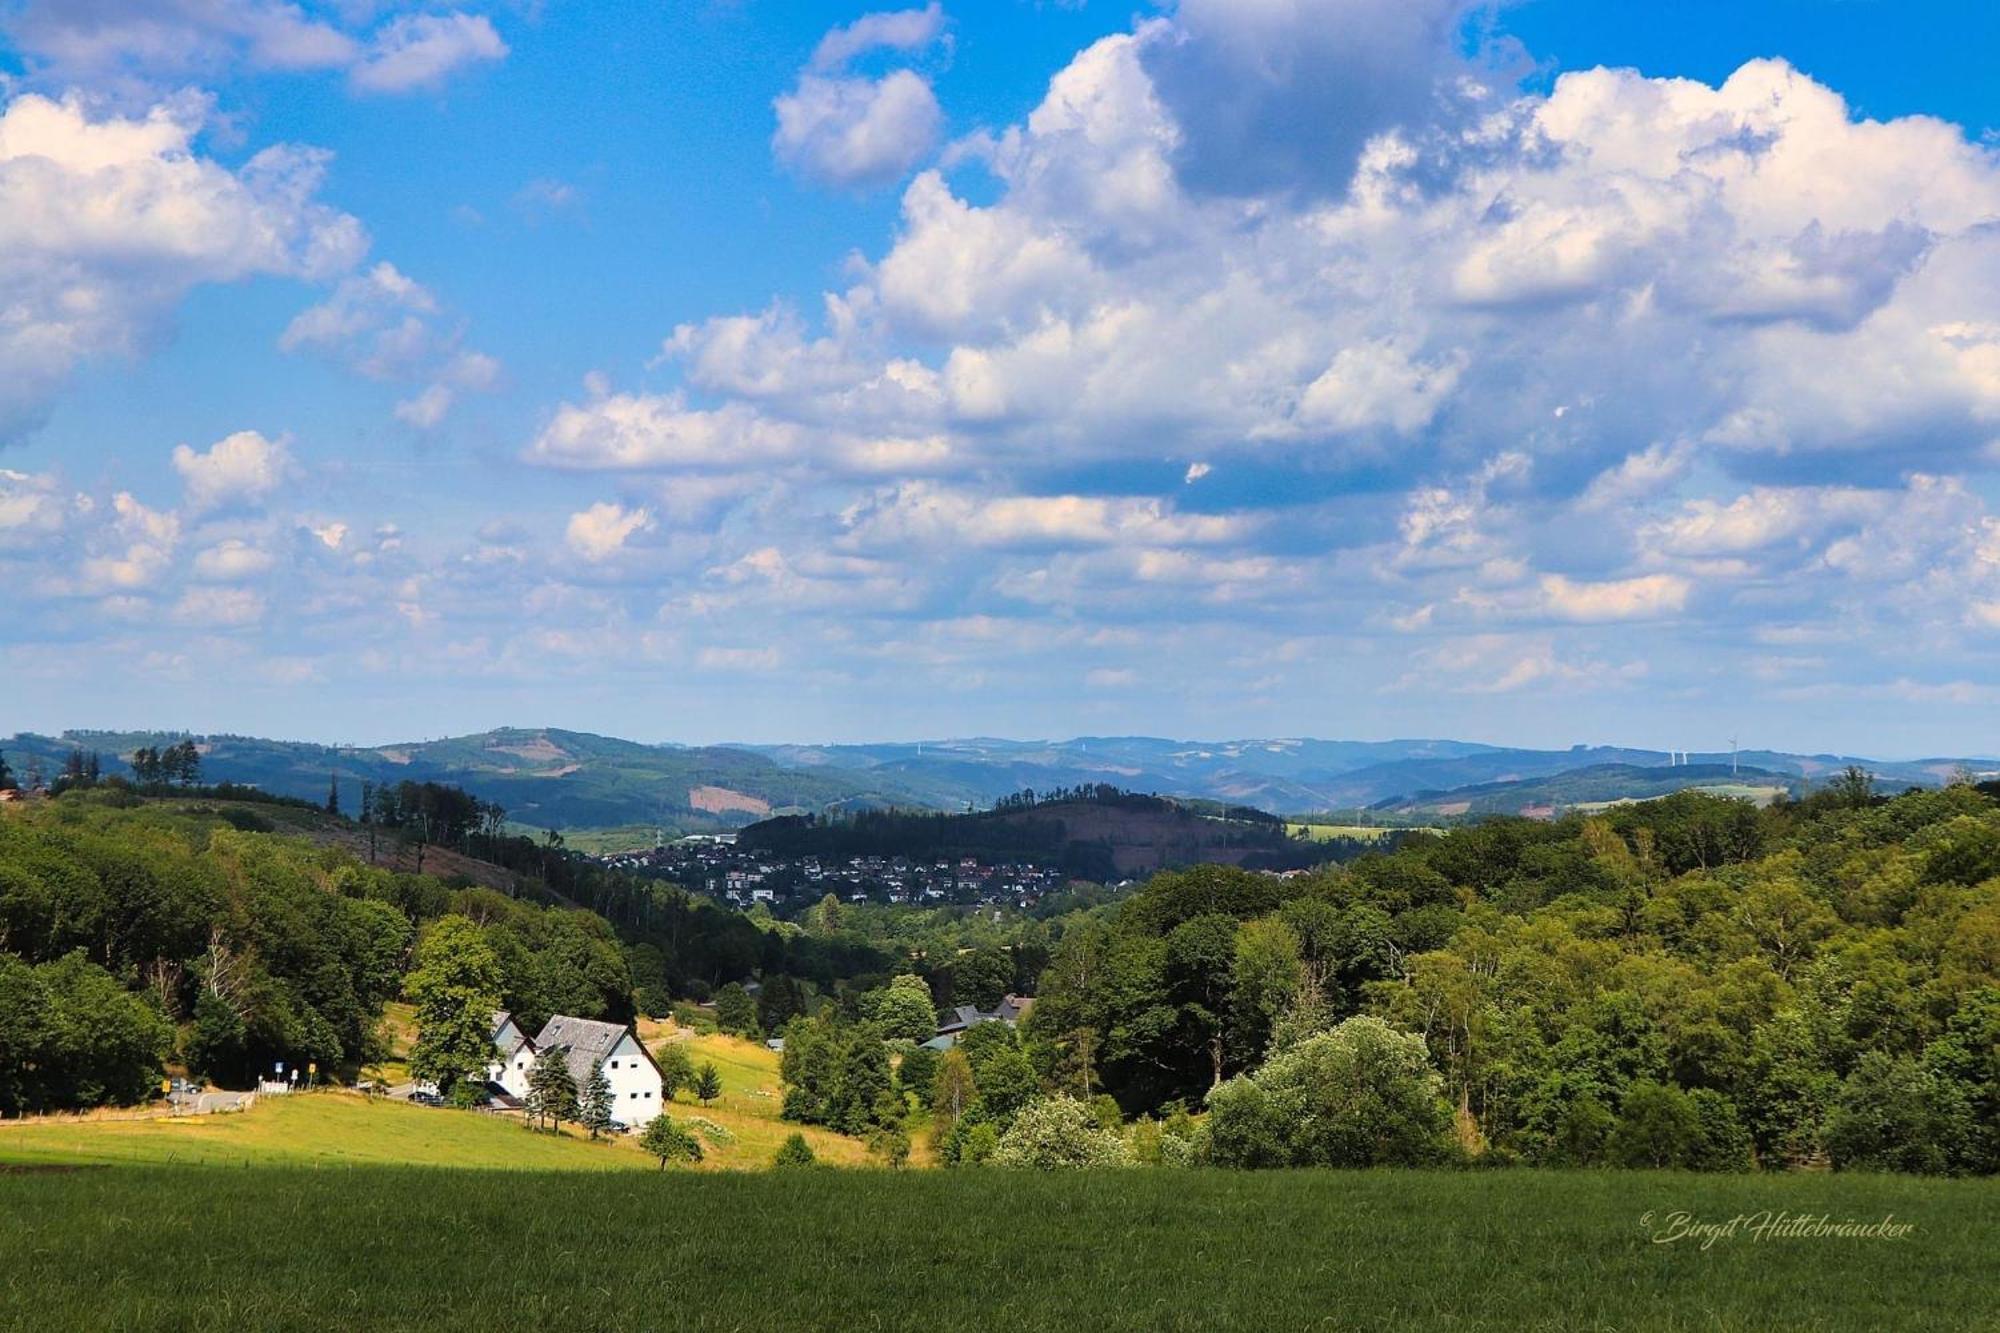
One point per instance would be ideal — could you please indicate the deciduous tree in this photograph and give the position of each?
(669, 1141)
(455, 987)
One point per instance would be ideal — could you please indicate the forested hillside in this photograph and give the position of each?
(230, 935)
(1688, 982)
(1097, 833)
(1685, 982)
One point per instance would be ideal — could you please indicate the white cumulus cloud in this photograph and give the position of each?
(107, 221)
(420, 51)
(601, 531)
(243, 468)
(851, 130)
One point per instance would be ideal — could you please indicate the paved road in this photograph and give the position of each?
(208, 1103)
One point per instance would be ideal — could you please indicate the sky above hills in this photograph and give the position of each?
(725, 369)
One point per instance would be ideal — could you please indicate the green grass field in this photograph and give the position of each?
(143, 1248)
(317, 1129)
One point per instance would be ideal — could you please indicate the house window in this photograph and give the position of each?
(635, 1096)
(614, 1064)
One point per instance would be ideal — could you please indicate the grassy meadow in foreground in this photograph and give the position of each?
(373, 1247)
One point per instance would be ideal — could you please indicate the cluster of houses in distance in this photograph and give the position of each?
(714, 864)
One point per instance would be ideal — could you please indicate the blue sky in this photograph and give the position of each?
(719, 370)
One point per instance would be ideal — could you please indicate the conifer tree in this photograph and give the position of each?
(795, 1151)
(595, 1107)
(708, 1084)
(551, 1087)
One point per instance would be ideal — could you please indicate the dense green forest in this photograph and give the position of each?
(1689, 982)
(135, 931)
(1686, 982)
(1078, 830)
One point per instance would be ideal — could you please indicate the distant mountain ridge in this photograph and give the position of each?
(1593, 787)
(553, 778)
(544, 777)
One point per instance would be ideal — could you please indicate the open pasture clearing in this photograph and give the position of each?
(344, 1129)
(1357, 832)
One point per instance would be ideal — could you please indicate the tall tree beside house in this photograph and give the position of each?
(903, 1008)
(708, 1084)
(455, 986)
(676, 1070)
(594, 1107)
(551, 1088)
(669, 1141)
(982, 977)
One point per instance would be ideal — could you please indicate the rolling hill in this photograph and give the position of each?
(1276, 775)
(545, 777)
(1105, 839)
(570, 780)
(1593, 787)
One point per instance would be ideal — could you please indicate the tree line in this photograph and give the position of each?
(1689, 982)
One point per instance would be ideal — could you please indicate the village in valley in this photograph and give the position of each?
(717, 865)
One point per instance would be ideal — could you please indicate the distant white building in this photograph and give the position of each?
(516, 1055)
(637, 1089)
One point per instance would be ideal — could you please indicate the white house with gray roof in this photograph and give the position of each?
(636, 1085)
(516, 1053)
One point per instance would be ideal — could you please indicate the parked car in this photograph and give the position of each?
(426, 1099)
